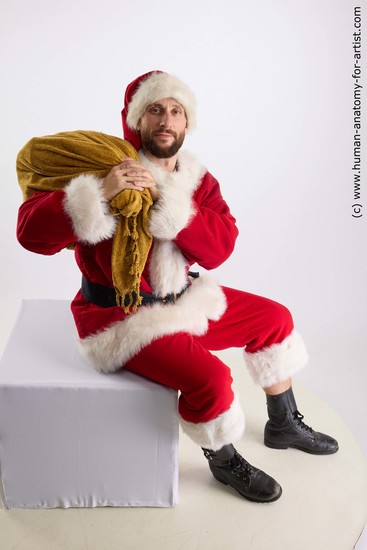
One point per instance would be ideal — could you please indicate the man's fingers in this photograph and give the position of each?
(128, 163)
(139, 172)
(132, 167)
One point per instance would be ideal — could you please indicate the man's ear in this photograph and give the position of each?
(138, 126)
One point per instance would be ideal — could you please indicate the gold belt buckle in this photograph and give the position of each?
(172, 298)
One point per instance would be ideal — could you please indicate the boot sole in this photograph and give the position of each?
(282, 446)
(252, 499)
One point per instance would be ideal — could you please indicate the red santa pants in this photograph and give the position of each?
(209, 411)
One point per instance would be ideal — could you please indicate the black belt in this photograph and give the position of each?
(104, 296)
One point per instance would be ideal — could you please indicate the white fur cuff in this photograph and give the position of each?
(85, 205)
(278, 362)
(227, 428)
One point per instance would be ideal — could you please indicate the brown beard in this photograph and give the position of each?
(151, 146)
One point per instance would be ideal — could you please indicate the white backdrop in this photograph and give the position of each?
(275, 125)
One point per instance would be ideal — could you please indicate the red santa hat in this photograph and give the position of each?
(147, 89)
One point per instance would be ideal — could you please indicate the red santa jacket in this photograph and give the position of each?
(190, 223)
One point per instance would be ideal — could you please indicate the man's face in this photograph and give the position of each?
(163, 128)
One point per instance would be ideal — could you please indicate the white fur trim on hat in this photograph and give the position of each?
(227, 428)
(277, 362)
(88, 210)
(110, 349)
(161, 86)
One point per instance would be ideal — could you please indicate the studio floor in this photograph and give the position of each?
(323, 506)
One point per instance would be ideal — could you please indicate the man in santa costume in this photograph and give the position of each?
(181, 316)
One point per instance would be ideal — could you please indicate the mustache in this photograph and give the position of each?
(164, 131)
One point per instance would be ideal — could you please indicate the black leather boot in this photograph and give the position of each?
(228, 467)
(285, 428)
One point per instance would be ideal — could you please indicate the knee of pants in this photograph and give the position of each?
(209, 399)
(283, 319)
(277, 325)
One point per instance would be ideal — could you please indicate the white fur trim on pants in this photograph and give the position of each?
(277, 362)
(227, 428)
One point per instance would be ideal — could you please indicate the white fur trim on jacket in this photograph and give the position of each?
(277, 362)
(161, 86)
(110, 349)
(167, 268)
(87, 209)
(227, 428)
(175, 208)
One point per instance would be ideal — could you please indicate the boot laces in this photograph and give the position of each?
(240, 466)
(298, 418)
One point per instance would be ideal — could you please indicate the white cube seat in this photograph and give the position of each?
(72, 437)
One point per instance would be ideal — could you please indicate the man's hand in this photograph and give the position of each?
(130, 174)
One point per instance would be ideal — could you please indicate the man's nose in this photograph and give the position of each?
(166, 121)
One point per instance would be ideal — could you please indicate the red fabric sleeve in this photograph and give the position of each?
(210, 237)
(43, 225)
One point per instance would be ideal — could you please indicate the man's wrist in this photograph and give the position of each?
(154, 193)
